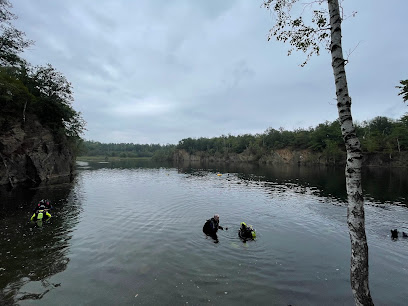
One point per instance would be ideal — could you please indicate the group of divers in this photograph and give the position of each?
(211, 226)
(246, 232)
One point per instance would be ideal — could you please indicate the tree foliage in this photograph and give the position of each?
(40, 90)
(12, 41)
(379, 135)
(404, 90)
(125, 150)
(309, 38)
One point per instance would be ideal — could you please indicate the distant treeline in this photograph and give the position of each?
(157, 151)
(379, 135)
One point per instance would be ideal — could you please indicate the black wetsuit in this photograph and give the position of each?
(43, 206)
(42, 210)
(246, 232)
(211, 227)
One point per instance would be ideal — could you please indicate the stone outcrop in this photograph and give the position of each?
(31, 154)
(286, 156)
(295, 157)
(182, 155)
(283, 156)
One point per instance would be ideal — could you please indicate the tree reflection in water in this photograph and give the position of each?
(30, 253)
(312, 179)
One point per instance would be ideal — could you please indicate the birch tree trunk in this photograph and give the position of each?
(355, 209)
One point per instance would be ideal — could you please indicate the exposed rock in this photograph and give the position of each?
(299, 157)
(283, 156)
(286, 156)
(31, 154)
(396, 159)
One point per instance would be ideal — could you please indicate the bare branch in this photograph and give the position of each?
(351, 52)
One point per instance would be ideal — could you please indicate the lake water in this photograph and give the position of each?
(130, 233)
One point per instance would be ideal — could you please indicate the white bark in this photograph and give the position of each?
(355, 210)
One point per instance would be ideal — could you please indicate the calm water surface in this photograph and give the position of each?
(131, 234)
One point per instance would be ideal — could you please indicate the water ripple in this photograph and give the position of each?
(125, 236)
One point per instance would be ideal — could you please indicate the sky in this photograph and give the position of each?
(156, 71)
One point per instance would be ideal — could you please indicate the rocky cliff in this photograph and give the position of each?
(283, 156)
(299, 157)
(31, 154)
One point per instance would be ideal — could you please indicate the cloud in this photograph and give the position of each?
(161, 71)
(150, 107)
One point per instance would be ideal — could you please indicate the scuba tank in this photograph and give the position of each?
(40, 215)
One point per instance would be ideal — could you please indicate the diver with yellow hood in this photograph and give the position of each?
(246, 232)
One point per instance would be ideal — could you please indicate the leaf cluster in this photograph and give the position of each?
(308, 38)
(12, 41)
(40, 90)
(404, 90)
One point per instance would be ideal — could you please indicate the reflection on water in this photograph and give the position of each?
(131, 233)
(122, 164)
(321, 180)
(30, 254)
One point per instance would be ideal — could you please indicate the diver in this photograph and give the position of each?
(246, 232)
(211, 227)
(41, 211)
(395, 233)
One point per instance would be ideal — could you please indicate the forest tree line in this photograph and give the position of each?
(379, 135)
(125, 150)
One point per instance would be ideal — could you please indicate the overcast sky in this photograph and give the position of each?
(158, 71)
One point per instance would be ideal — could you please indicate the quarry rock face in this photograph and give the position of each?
(305, 157)
(31, 154)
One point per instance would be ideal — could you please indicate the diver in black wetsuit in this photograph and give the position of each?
(211, 227)
(246, 232)
(41, 210)
(40, 214)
